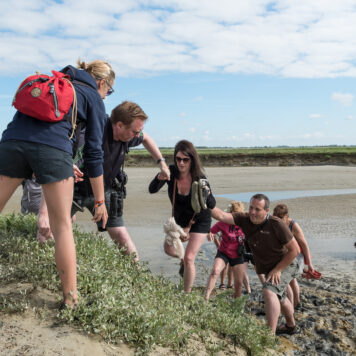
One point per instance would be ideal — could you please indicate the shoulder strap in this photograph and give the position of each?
(174, 195)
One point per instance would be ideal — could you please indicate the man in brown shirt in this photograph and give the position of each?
(274, 249)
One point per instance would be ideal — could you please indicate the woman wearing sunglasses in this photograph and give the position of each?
(30, 146)
(186, 170)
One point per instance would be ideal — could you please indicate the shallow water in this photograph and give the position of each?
(287, 194)
(329, 255)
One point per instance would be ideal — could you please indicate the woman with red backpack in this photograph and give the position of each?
(30, 145)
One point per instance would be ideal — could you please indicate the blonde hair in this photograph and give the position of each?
(98, 69)
(236, 207)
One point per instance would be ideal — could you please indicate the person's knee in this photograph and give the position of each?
(268, 295)
(189, 259)
(215, 272)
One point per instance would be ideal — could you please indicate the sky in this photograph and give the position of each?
(218, 73)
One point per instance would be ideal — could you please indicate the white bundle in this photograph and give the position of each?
(173, 232)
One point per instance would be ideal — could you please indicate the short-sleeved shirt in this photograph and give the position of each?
(267, 241)
(232, 238)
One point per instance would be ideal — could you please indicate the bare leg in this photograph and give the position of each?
(223, 275)
(58, 197)
(246, 279)
(272, 308)
(288, 312)
(219, 266)
(8, 186)
(238, 271)
(290, 294)
(262, 278)
(122, 238)
(230, 276)
(296, 291)
(194, 244)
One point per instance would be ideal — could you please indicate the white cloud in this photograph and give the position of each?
(285, 38)
(342, 98)
(316, 116)
(350, 117)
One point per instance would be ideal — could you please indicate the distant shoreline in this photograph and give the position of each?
(258, 157)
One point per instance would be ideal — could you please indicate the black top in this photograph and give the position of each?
(183, 211)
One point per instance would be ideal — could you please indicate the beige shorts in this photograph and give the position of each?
(286, 276)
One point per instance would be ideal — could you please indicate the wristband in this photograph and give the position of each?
(160, 160)
(98, 203)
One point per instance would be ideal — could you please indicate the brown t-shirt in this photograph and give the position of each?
(266, 240)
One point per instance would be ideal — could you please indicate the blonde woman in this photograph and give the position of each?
(31, 146)
(230, 252)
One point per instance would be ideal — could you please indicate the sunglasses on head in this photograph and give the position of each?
(183, 159)
(111, 89)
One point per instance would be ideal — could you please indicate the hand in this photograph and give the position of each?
(165, 173)
(274, 277)
(184, 238)
(101, 214)
(44, 231)
(310, 267)
(211, 236)
(78, 174)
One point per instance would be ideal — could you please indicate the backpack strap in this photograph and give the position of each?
(77, 127)
(74, 110)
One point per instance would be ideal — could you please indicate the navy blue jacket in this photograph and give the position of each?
(91, 111)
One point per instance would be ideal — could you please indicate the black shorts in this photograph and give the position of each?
(20, 159)
(113, 204)
(232, 261)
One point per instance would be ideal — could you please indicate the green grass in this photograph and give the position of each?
(123, 303)
(347, 150)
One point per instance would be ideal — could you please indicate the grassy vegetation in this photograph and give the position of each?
(345, 150)
(123, 303)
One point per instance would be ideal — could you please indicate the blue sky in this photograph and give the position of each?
(219, 73)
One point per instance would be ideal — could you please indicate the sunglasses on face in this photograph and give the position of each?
(111, 90)
(182, 159)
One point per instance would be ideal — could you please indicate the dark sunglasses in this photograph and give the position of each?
(182, 159)
(111, 90)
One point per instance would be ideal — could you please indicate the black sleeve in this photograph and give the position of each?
(211, 202)
(156, 185)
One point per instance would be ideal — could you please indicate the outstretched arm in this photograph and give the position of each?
(156, 154)
(220, 215)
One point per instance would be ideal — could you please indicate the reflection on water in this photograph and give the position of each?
(288, 194)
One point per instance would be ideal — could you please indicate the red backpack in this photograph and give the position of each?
(47, 98)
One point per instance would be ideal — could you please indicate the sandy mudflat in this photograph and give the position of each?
(328, 222)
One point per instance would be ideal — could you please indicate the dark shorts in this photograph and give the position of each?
(20, 159)
(286, 276)
(113, 205)
(232, 261)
